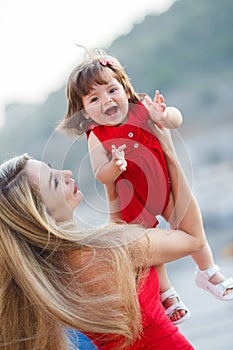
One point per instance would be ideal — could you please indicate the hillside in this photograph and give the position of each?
(186, 52)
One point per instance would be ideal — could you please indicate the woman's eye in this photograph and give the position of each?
(113, 90)
(56, 182)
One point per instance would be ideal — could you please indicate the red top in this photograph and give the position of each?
(143, 188)
(158, 331)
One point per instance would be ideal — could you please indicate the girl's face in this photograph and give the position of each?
(59, 191)
(106, 104)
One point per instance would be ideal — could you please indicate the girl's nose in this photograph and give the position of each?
(107, 98)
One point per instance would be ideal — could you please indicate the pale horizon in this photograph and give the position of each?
(38, 41)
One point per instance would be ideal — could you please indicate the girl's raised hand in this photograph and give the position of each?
(156, 107)
(119, 155)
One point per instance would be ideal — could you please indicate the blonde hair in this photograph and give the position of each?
(96, 68)
(55, 277)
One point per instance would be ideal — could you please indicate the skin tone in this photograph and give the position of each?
(107, 104)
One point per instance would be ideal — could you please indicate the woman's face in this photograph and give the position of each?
(59, 191)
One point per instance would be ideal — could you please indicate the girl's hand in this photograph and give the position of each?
(119, 155)
(157, 108)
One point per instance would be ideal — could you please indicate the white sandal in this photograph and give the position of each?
(171, 293)
(218, 290)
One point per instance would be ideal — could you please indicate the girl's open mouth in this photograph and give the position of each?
(112, 110)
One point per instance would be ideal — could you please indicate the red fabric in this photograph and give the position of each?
(158, 331)
(144, 187)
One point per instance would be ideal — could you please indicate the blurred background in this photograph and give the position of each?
(184, 48)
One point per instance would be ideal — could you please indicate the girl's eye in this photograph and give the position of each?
(56, 183)
(94, 99)
(113, 90)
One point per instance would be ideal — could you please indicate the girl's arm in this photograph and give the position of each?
(169, 245)
(163, 116)
(105, 170)
(113, 202)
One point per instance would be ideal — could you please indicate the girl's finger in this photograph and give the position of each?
(121, 148)
(148, 100)
(156, 99)
(161, 98)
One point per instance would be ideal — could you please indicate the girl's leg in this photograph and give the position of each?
(204, 259)
(165, 285)
(169, 215)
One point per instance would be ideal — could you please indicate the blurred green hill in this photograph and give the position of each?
(186, 53)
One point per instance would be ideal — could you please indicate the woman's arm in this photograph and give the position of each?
(168, 245)
(105, 170)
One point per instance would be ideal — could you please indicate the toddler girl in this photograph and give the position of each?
(127, 158)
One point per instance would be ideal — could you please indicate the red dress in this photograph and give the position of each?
(158, 331)
(143, 188)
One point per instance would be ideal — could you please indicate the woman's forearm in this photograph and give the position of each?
(187, 211)
(168, 245)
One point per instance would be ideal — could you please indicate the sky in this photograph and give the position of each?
(38, 37)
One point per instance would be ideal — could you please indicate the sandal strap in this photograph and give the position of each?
(168, 294)
(211, 271)
(176, 307)
(221, 287)
(228, 283)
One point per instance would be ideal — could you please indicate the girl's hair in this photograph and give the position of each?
(97, 68)
(55, 277)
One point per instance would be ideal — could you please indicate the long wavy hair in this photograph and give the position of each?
(54, 277)
(96, 68)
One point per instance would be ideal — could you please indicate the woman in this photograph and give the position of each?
(54, 276)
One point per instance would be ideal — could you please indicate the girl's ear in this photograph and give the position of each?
(127, 91)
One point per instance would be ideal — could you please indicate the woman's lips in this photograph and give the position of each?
(75, 188)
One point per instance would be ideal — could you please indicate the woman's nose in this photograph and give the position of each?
(67, 175)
